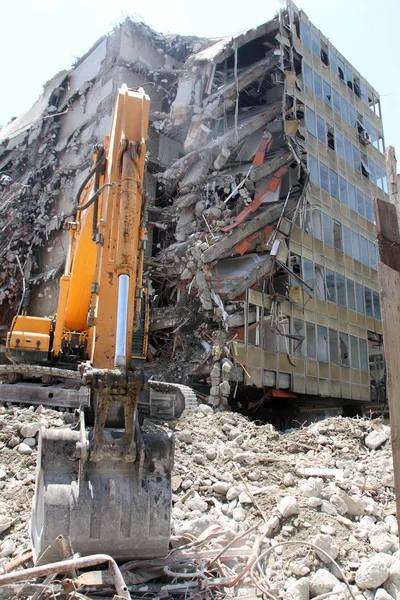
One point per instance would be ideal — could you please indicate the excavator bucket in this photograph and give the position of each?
(120, 507)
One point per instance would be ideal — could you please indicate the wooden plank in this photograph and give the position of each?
(32, 393)
(389, 281)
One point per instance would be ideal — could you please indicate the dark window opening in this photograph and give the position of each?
(357, 90)
(344, 349)
(340, 68)
(337, 235)
(324, 54)
(330, 136)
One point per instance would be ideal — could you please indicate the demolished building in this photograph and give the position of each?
(265, 151)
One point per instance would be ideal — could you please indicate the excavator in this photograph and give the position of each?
(105, 483)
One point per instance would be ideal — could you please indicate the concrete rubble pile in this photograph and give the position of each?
(226, 179)
(296, 515)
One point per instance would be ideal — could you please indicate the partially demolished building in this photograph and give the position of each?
(265, 152)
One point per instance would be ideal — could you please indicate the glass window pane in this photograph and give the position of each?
(372, 252)
(313, 167)
(322, 343)
(348, 76)
(336, 102)
(316, 223)
(340, 66)
(354, 360)
(305, 34)
(349, 151)
(333, 347)
(319, 285)
(298, 347)
(345, 109)
(310, 119)
(368, 302)
(343, 190)
(356, 159)
(352, 116)
(341, 290)
(308, 76)
(324, 177)
(360, 203)
(334, 184)
(330, 285)
(318, 85)
(327, 93)
(321, 129)
(315, 45)
(364, 250)
(347, 240)
(344, 349)
(340, 144)
(333, 61)
(308, 272)
(352, 196)
(363, 354)
(355, 242)
(369, 209)
(360, 298)
(311, 341)
(377, 306)
(328, 229)
(337, 235)
(351, 294)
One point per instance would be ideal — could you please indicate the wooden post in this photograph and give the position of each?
(388, 233)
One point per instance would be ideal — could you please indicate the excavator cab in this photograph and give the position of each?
(108, 486)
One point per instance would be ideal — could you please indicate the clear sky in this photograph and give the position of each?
(41, 37)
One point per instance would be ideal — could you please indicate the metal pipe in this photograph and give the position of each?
(122, 321)
(65, 566)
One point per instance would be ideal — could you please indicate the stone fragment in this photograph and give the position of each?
(326, 543)
(382, 594)
(2, 474)
(232, 493)
(371, 575)
(299, 569)
(375, 439)
(13, 441)
(30, 442)
(184, 436)
(322, 582)
(24, 448)
(199, 459)
(5, 523)
(299, 590)
(380, 539)
(7, 548)
(288, 480)
(271, 527)
(314, 502)
(312, 487)
(239, 514)
(221, 487)
(29, 430)
(197, 503)
(287, 506)
(339, 504)
(211, 453)
(176, 483)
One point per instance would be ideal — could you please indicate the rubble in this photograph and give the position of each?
(251, 486)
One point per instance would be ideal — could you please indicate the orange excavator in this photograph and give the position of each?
(105, 483)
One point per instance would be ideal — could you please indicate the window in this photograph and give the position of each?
(305, 34)
(340, 67)
(324, 53)
(337, 235)
(307, 76)
(343, 190)
(364, 93)
(308, 273)
(313, 168)
(311, 341)
(345, 109)
(348, 76)
(324, 176)
(315, 45)
(328, 229)
(360, 298)
(347, 240)
(298, 332)
(327, 93)
(318, 85)
(311, 124)
(351, 294)
(333, 347)
(352, 196)
(354, 359)
(363, 354)
(360, 203)
(348, 151)
(352, 116)
(368, 302)
(330, 285)
(340, 144)
(321, 129)
(333, 61)
(316, 223)
(333, 178)
(377, 306)
(330, 136)
(336, 102)
(364, 250)
(322, 338)
(341, 290)
(372, 251)
(372, 171)
(344, 349)
(356, 86)
(356, 159)
(364, 165)
(319, 282)
(355, 242)
(369, 210)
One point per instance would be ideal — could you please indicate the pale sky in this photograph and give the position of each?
(41, 37)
